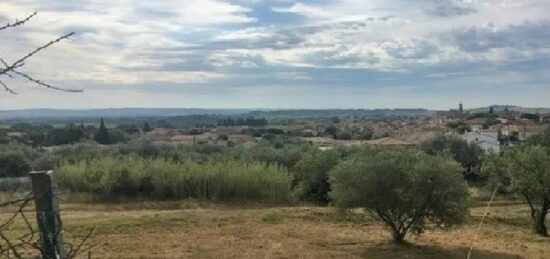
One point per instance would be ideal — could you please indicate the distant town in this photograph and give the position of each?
(491, 128)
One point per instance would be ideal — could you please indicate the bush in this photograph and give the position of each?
(165, 179)
(402, 189)
(61, 136)
(543, 138)
(45, 162)
(282, 154)
(14, 164)
(344, 135)
(311, 175)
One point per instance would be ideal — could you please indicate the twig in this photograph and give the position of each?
(7, 88)
(45, 84)
(17, 23)
(26, 76)
(21, 60)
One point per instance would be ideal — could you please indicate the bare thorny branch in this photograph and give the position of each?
(17, 23)
(20, 246)
(11, 71)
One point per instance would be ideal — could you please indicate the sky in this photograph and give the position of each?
(280, 54)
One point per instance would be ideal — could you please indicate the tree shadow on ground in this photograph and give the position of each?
(389, 250)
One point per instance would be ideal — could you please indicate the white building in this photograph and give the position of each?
(487, 140)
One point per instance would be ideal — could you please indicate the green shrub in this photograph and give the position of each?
(14, 164)
(543, 138)
(45, 162)
(404, 190)
(282, 154)
(166, 179)
(311, 175)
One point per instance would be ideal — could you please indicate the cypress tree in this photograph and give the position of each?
(102, 135)
(146, 127)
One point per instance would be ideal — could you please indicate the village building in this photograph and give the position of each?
(486, 140)
(476, 124)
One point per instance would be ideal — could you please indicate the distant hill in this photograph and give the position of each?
(500, 107)
(361, 113)
(41, 114)
(67, 115)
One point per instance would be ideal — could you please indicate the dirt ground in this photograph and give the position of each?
(189, 229)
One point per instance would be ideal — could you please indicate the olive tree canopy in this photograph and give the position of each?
(405, 190)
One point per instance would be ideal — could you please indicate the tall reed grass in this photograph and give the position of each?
(166, 179)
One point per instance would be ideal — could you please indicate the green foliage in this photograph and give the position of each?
(165, 179)
(527, 171)
(102, 135)
(461, 129)
(364, 134)
(332, 131)
(467, 154)
(459, 126)
(117, 136)
(129, 128)
(530, 116)
(311, 175)
(490, 121)
(14, 164)
(45, 162)
(249, 121)
(4, 136)
(146, 127)
(335, 119)
(344, 135)
(279, 153)
(543, 138)
(61, 136)
(494, 170)
(403, 189)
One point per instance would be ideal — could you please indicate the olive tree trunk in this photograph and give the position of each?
(538, 215)
(398, 237)
(539, 218)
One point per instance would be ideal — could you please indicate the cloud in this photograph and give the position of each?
(112, 34)
(224, 48)
(527, 36)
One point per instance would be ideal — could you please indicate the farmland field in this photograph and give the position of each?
(190, 229)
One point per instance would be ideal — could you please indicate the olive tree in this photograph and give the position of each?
(526, 171)
(405, 190)
(467, 154)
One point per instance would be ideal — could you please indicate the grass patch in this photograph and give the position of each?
(273, 218)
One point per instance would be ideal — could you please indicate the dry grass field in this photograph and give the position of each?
(190, 229)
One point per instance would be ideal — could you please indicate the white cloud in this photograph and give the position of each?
(228, 43)
(110, 35)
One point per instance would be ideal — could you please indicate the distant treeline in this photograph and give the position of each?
(188, 117)
(249, 121)
(356, 113)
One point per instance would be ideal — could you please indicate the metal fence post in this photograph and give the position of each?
(45, 195)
